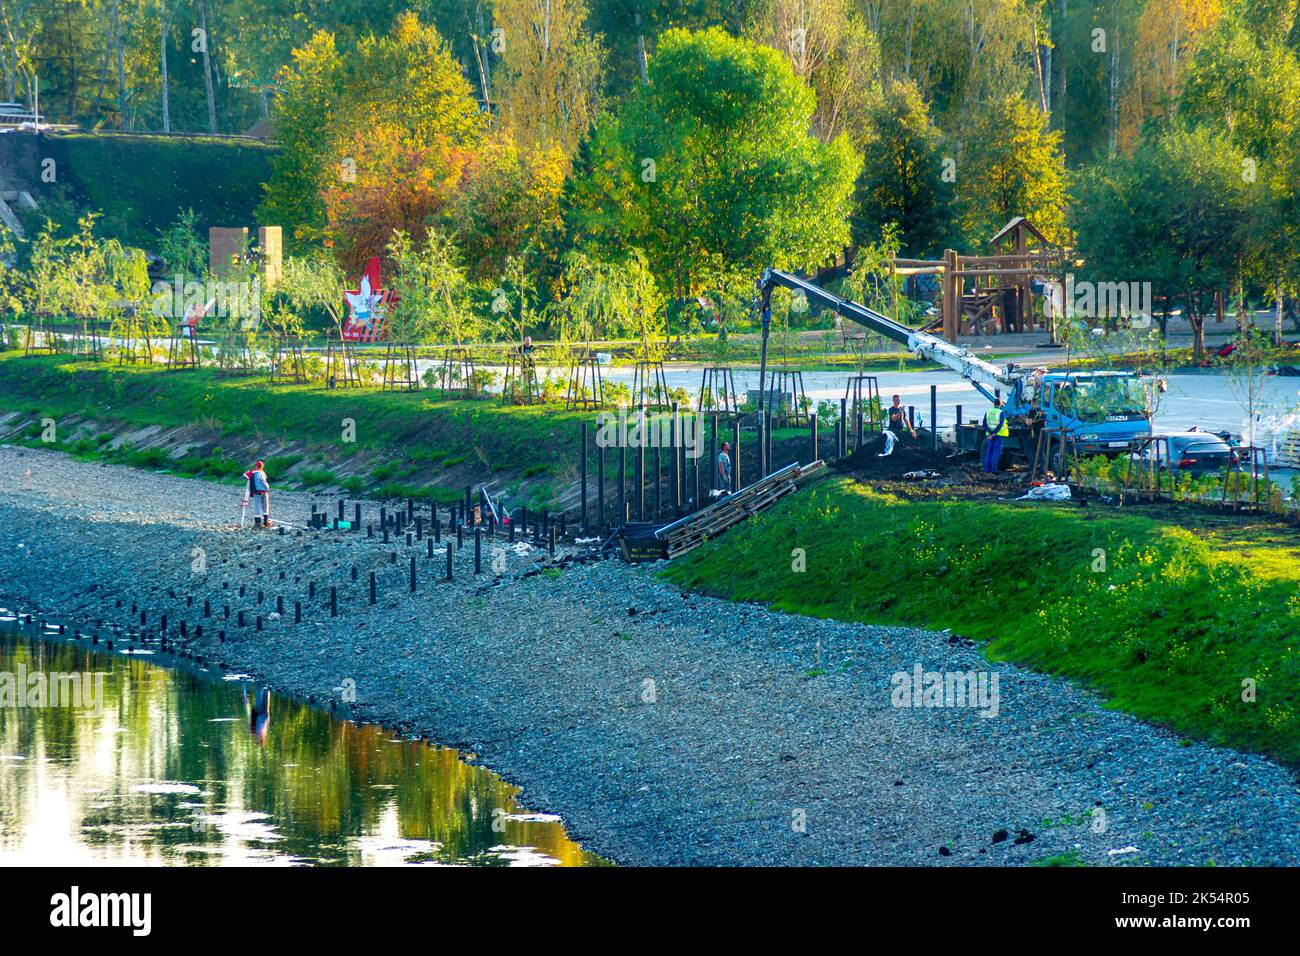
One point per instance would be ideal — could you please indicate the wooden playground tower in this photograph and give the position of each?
(1000, 296)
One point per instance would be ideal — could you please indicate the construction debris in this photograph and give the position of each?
(1048, 492)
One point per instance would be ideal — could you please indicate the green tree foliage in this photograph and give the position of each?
(712, 169)
(311, 287)
(508, 203)
(1244, 83)
(831, 48)
(960, 54)
(514, 299)
(431, 290)
(1248, 87)
(1010, 165)
(404, 80)
(475, 118)
(549, 79)
(872, 280)
(182, 248)
(591, 296)
(1176, 214)
(902, 178)
(639, 303)
(631, 29)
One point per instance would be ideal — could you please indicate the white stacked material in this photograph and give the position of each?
(1279, 436)
(1288, 454)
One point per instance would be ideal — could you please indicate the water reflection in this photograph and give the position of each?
(172, 767)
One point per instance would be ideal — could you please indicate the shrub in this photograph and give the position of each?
(317, 476)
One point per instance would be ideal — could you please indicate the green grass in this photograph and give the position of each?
(1168, 631)
(1068, 858)
(317, 476)
(522, 440)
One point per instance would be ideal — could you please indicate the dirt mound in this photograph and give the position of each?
(866, 461)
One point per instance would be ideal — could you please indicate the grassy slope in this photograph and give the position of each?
(1167, 631)
(522, 441)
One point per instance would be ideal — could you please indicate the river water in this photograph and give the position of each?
(150, 765)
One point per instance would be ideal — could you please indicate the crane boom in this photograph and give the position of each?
(983, 375)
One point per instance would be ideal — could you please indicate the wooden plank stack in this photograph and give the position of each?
(693, 530)
(1288, 452)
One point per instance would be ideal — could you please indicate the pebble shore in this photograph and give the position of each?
(665, 728)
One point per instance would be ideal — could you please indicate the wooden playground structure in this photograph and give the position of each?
(986, 295)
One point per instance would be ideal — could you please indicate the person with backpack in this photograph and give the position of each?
(258, 493)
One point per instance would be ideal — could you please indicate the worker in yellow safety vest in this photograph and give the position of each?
(995, 429)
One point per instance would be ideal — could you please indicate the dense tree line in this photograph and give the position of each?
(707, 139)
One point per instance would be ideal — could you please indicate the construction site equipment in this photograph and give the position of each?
(1103, 411)
(644, 541)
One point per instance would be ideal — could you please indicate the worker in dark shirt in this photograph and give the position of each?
(1035, 417)
(896, 419)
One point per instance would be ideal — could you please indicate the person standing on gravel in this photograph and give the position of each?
(724, 468)
(259, 493)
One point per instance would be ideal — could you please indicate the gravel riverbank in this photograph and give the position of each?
(665, 728)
